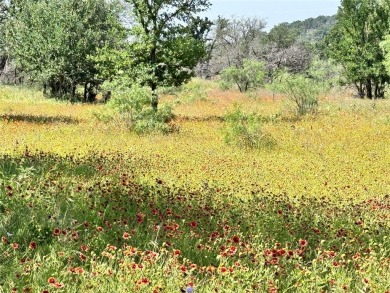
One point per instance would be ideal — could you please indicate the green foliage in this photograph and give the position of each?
(302, 91)
(385, 46)
(131, 101)
(3, 11)
(116, 65)
(167, 41)
(168, 90)
(310, 30)
(283, 35)
(133, 106)
(313, 30)
(3, 18)
(155, 121)
(195, 90)
(354, 43)
(326, 73)
(250, 76)
(245, 130)
(51, 40)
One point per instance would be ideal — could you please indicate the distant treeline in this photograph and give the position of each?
(314, 29)
(68, 44)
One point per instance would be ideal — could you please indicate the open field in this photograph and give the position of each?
(94, 206)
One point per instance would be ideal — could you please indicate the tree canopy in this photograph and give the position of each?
(167, 40)
(3, 18)
(52, 40)
(355, 40)
(385, 45)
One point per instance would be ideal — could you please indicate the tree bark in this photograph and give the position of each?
(360, 89)
(73, 90)
(369, 89)
(239, 86)
(153, 83)
(154, 101)
(379, 90)
(85, 92)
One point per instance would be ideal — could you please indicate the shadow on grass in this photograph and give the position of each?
(38, 119)
(199, 118)
(38, 164)
(102, 190)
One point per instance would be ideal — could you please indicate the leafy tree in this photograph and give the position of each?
(235, 40)
(283, 36)
(52, 40)
(313, 30)
(326, 72)
(3, 18)
(167, 41)
(354, 43)
(288, 46)
(385, 45)
(250, 75)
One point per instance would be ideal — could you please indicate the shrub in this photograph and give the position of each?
(250, 76)
(245, 130)
(133, 107)
(326, 73)
(303, 92)
(195, 90)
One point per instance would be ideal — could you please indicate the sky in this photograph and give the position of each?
(273, 11)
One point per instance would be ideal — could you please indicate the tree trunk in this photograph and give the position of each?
(360, 89)
(89, 92)
(44, 88)
(153, 83)
(73, 90)
(154, 101)
(379, 90)
(239, 86)
(85, 92)
(106, 96)
(3, 62)
(15, 75)
(246, 86)
(369, 89)
(54, 88)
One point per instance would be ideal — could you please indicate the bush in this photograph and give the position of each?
(303, 92)
(245, 130)
(326, 73)
(250, 76)
(195, 90)
(133, 107)
(150, 121)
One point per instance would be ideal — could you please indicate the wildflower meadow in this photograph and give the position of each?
(88, 206)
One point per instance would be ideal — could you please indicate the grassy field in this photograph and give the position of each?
(87, 206)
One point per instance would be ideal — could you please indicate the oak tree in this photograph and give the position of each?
(167, 41)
